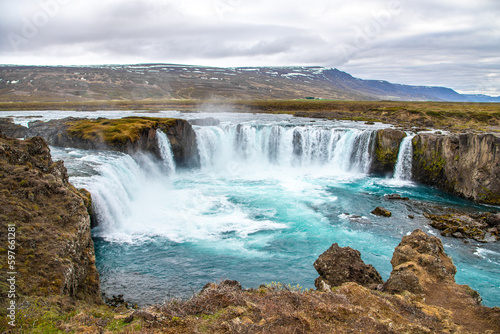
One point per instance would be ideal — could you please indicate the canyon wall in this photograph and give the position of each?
(467, 165)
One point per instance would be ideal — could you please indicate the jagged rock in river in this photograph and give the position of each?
(481, 227)
(380, 211)
(129, 135)
(338, 265)
(386, 149)
(467, 164)
(12, 130)
(54, 253)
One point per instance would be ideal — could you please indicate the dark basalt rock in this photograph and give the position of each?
(465, 164)
(12, 130)
(380, 211)
(343, 264)
(386, 149)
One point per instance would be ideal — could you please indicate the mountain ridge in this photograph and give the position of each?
(176, 81)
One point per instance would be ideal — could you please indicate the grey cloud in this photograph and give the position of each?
(419, 42)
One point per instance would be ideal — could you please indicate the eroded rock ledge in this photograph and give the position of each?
(129, 135)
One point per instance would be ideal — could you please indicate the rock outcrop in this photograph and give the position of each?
(484, 227)
(129, 135)
(54, 252)
(338, 265)
(421, 266)
(12, 130)
(419, 263)
(380, 211)
(467, 165)
(386, 149)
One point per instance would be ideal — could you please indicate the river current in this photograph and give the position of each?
(272, 194)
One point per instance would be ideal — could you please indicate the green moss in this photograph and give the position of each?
(115, 131)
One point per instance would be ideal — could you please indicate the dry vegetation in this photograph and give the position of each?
(115, 131)
(445, 115)
(225, 308)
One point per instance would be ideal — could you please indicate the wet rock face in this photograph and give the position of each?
(55, 254)
(418, 262)
(467, 165)
(343, 264)
(183, 142)
(12, 130)
(387, 142)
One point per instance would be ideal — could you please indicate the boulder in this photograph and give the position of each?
(386, 150)
(338, 265)
(380, 211)
(418, 263)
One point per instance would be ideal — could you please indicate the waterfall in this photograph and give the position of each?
(165, 152)
(402, 171)
(113, 189)
(342, 150)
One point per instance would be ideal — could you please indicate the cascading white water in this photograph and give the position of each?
(284, 201)
(165, 151)
(402, 171)
(342, 150)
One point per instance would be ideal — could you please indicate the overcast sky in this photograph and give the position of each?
(452, 43)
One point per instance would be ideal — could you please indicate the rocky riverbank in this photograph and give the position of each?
(58, 285)
(53, 254)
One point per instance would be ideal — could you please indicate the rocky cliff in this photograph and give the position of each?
(467, 164)
(386, 149)
(52, 252)
(128, 135)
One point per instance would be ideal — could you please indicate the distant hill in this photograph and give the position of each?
(164, 81)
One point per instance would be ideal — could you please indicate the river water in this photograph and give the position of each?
(272, 194)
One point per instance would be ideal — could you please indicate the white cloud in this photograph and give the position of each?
(432, 42)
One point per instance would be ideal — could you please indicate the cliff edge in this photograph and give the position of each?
(466, 164)
(48, 250)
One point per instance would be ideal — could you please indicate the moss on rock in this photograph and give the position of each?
(115, 131)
